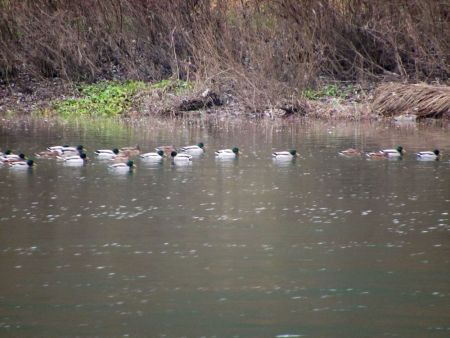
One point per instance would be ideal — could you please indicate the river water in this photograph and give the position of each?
(322, 246)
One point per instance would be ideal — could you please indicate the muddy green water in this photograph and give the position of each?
(323, 246)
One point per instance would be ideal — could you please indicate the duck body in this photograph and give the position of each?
(284, 155)
(106, 154)
(195, 150)
(227, 153)
(123, 167)
(130, 151)
(153, 156)
(65, 149)
(21, 164)
(79, 159)
(429, 155)
(10, 158)
(166, 149)
(48, 154)
(387, 153)
(181, 158)
(350, 152)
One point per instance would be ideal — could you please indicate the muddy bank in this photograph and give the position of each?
(29, 97)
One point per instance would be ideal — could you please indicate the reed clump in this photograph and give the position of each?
(421, 100)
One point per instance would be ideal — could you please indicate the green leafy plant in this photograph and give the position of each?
(102, 99)
(325, 91)
(175, 86)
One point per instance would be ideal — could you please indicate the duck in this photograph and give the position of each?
(180, 158)
(79, 159)
(284, 155)
(106, 154)
(195, 150)
(153, 156)
(58, 148)
(120, 158)
(166, 149)
(66, 149)
(128, 166)
(387, 153)
(130, 151)
(227, 153)
(73, 151)
(429, 155)
(350, 152)
(48, 154)
(22, 164)
(9, 158)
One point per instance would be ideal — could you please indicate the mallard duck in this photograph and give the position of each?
(227, 153)
(154, 156)
(284, 155)
(387, 153)
(350, 152)
(66, 149)
(180, 158)
(74, 159)
(128, 166)
(22, 164)
(120, 158)
(106, 154)
(196, 150)
(429, 155)
(48, 154)
(130, 151)
(166, 149)
(58, 148)
(9, 158)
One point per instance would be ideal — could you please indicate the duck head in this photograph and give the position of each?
(115, 151)
(201, 145)
(293, 152)
(30, 163)
(436, 152)
(235, 150)
(400, 149)
(130, 163)
(173, 153)
(160, 153)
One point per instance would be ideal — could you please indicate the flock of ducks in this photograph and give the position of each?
(120, 159)
(392, 153)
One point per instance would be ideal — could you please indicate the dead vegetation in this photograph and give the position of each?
(292, 42)
(421, 100)
(262, 52)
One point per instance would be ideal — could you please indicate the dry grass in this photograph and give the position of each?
(262, 52)
(422, 100)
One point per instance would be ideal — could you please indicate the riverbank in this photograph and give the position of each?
(174, 98)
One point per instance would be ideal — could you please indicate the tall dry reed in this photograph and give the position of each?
(260, 45)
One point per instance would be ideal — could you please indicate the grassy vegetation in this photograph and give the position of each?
(174, 86)
(326, 91)
(108, 98)
(103, 99)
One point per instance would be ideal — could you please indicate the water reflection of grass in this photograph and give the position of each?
(107, 127)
